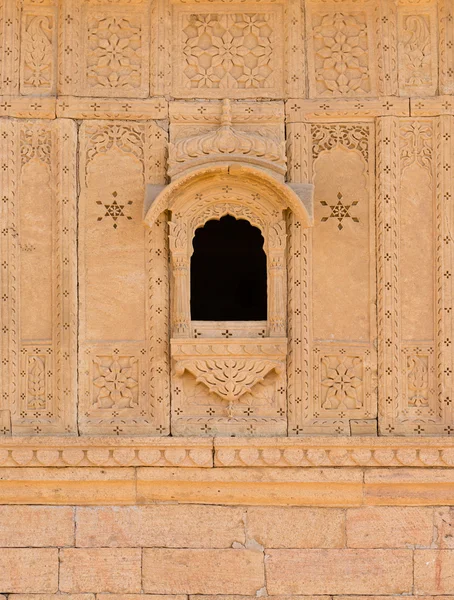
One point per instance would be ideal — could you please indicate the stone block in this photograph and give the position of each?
(36, 526)
(28, 570)
(203, 571)
(293, 527)
(410, 487)
(77, 485)
(444, 527)
(161, 526)
(339, 571)
(100, 570)
(389, 527)
(242, 486)
(434, 572)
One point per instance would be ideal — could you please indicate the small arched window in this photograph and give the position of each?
(228, 272)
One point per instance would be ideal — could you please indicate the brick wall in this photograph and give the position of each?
(177, 550)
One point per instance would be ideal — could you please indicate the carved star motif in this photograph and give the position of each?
(114, 210)
(340, 211)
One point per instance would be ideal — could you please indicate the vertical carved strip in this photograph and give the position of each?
(446, 27)
(160, 60)
(9, 61)
(386, 32)
(294, 44)
(389, 367)
(444, 269)
(8, 266)
(68, 46)
(158, 323)
(299, 244)
(66, 284)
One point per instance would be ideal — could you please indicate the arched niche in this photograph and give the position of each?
(218, 368)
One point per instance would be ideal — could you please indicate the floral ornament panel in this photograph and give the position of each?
(347, 383)
(116, 382)
(341, 54)
(116, 54)
(234, 51)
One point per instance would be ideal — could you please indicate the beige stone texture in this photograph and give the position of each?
(29, 570)
(52, 596)
(296, 527)
(161, 526)
(389, 527)
(36, 526)
(409, 487)
(339, 571)
(433, 572)
(319, 487)
(67, 486)
(169, 571)
(444, 527)
(100, 570)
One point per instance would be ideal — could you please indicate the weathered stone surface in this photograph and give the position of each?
(296, 527)
(36, 526)
(161, 526)
(100, 570)
(29, 570)
(410, 487)
(67, 486)
(324, 571)
(434, 571)
(203, 571)
(320, 487)
(389, 527)
(444, 527)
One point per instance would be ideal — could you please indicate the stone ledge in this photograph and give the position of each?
(112, 451)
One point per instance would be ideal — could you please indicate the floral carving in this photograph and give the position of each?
(416, 140)
(231, 378)
(328, 137)
(127, 138)
(37, 51)
(341, 378)
(35, 142)
(114, 59)
(416, 50)
(418, 380)
(341, 55)
(227, 51)
(117, 382)
(36, 384)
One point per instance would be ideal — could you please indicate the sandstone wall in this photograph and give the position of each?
(336, 478)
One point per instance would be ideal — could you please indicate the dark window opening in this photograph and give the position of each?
(228, 272)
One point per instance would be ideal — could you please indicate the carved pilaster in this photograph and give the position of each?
(9, 47)
(446, 28)
(389, 368)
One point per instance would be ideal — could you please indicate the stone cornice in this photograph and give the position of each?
(108, 451)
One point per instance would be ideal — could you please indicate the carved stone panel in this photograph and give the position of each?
(415, 265)
(225, 387)
(332, 357)
(40, 268)
(123, 304)
(38, 50)
(342, 56)
(106, 49)
(418, 49)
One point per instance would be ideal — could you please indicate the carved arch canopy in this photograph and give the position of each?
(229, 369)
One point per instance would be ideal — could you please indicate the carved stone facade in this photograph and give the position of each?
(127, 125)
